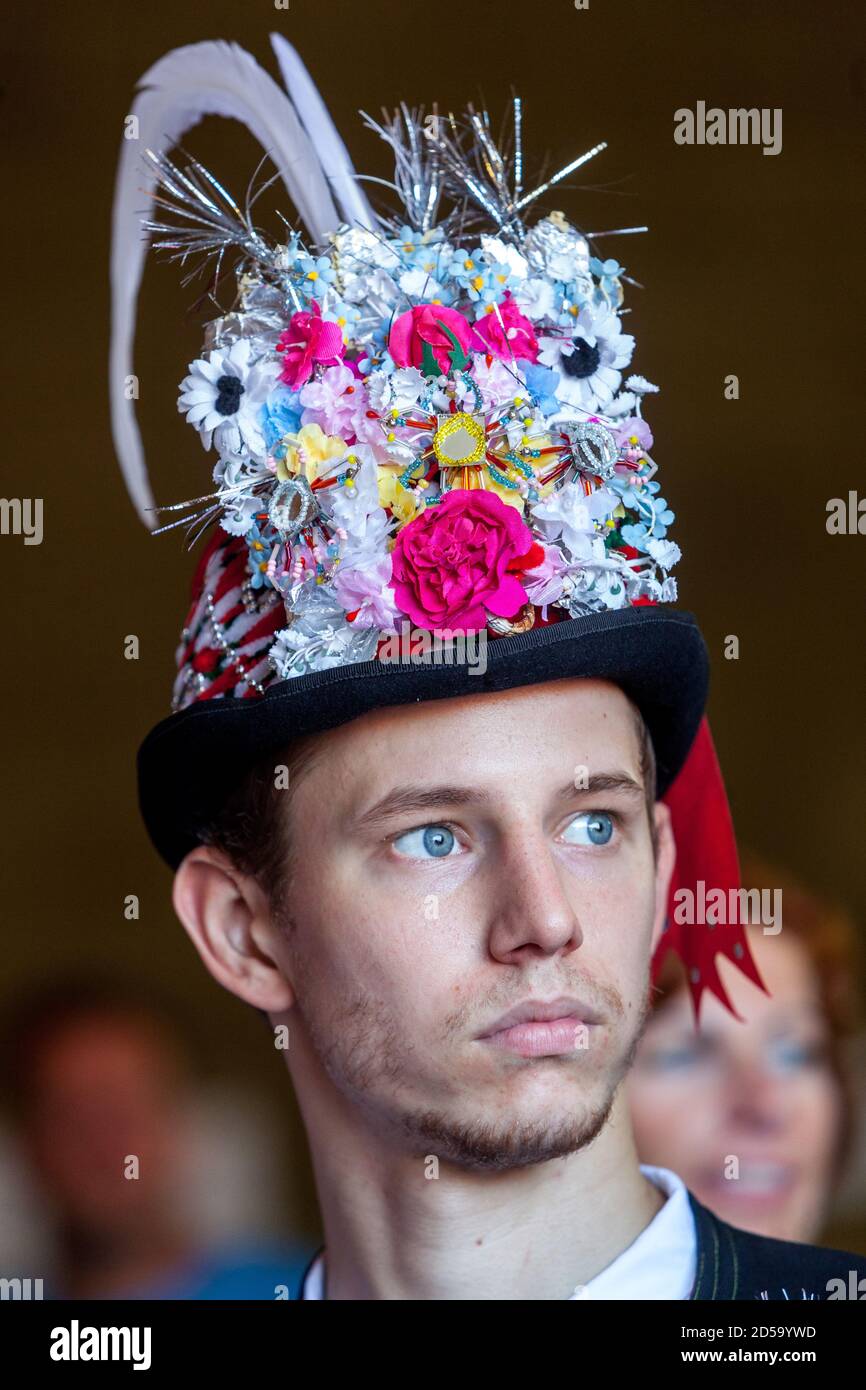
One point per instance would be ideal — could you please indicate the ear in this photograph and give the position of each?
(665, 859)
(227, 917)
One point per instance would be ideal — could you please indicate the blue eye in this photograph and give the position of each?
(435, 841)
(674, 1059)
(793, 1054)
(590, 828)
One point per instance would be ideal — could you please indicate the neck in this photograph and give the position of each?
(391, 1232)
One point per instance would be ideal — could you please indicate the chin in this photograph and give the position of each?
(518, 1132)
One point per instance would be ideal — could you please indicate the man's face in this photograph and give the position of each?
(451, 864)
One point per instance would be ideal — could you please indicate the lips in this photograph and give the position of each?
(566, 1007)
(759, 1180)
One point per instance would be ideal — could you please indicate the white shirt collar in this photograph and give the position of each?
(660, 1264)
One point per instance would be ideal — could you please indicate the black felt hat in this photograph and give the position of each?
(190, 762)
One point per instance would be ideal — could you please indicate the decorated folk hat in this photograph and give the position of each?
(424, 439)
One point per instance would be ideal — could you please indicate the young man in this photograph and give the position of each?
(442, 880)
(458, 951)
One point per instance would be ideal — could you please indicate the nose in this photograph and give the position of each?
(530, 909)
(756, 1097)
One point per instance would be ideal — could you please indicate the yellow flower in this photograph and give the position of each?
(307, 452)
(508, 494)
(403, 502)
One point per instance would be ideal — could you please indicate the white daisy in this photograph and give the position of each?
(223, 395)
(588, 362)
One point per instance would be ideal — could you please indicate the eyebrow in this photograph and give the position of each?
(408, 799)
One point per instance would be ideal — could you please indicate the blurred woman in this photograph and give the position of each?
(757, 1117)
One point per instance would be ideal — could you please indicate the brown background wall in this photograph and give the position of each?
(753, 265)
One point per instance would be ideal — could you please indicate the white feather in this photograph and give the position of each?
(321, 129)
(213, 78)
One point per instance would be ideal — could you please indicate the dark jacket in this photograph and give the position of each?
(734, 1265)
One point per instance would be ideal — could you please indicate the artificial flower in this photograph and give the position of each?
(399, 389)
(419, 283)
(494, 380)
(635, 436)
(308, 452)
(499, 252)
(460, 559)
(222, 396)
(589, 360)
(332, 400)
(570, 516)
(279, 415)
(318, 273)
(665, 553)
(309, 340)
(506, 332)
(429, 325)
(542, 382)
(259, 553)
(403, 503)
(364, 592)
(545, 582)
(536, 298)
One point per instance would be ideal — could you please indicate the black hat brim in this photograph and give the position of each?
(190, 762)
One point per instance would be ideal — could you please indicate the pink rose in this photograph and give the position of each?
(513, 337)
(460, 557)
(424, 324)
(309, 339)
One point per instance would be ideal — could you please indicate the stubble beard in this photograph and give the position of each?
(366, 1055)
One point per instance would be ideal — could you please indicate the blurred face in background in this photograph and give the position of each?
(102, 1089)
(760, 1091)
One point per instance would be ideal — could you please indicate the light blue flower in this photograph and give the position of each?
(609, 269)
(636, 536)
(572, 301)
(628, 489)
(280, 414)
(428, 256)
(502, 276)
(407, 243)
(542, 382)
(664, 517)
(469, 270)
(663, 514)
(260, 545)
(317, 273)
(607, 273)
(348, 316)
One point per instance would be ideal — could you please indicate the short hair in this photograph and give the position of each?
(252, 827)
